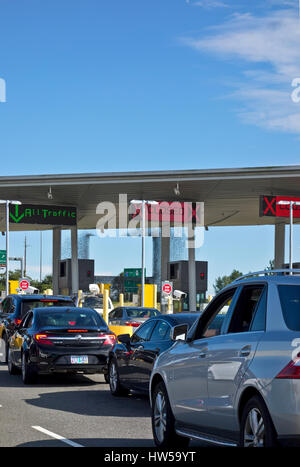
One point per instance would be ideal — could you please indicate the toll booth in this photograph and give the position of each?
(178, 273)
(86, 269)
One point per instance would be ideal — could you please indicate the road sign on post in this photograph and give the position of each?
(166, 296)
(132, 277)
(2, 258)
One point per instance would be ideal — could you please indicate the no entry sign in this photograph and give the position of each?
(167, 288)
(24, 284)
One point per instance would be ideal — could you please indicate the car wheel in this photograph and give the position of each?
(116, 387)
(163, 422)
(12, 369)
(106, 377)
(28, 375)
(257, 429)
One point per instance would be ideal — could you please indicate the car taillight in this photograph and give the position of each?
(110, 339)
(134, 324)
(291, 370)
(42, 339)
(17, 321)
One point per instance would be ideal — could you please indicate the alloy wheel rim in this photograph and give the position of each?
(254, 433)
(160, 416)
(113, 377)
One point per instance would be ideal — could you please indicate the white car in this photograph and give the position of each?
(96, 302)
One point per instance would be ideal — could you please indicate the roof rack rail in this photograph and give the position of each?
(270, 272)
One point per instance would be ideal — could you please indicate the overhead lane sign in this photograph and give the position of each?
(42, 214)
(173, 212)
(269, 206)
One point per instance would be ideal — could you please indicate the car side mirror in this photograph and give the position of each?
(124, 339)
(179, 332)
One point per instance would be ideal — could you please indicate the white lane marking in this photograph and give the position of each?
(60, 438)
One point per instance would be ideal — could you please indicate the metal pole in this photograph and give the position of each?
(7, 247)
(41, 254)
(22, 267)
(143, 255)
(291, 235)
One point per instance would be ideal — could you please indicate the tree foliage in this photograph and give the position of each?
(223, 281)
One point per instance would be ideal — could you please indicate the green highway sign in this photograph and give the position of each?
(133, 272)
(131, 286)
(42, 214)
(2, 258)
(132, 277)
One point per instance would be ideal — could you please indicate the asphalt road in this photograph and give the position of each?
(78, 408)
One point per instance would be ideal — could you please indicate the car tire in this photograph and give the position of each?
(163, 422)
(256, 428)
(106, 377)
(12, 369)
(28, 375)
(115, 385)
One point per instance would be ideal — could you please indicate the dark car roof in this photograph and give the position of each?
(178, 318)
(40, 297)
(63, 308)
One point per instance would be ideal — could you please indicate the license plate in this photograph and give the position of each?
(79, 360)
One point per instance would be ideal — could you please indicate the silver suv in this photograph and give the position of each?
(234, 378)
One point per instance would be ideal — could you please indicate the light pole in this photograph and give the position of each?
(290, 204)
(143, 203)
(7, 203)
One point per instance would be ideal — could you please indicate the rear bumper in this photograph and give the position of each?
(45, 361)
(84, 368)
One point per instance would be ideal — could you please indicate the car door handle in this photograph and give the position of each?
(140, 347)
(245, 351)
(202, 354)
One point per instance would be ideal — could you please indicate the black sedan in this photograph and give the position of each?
(131, 360)
(58, 339)
(14, 307)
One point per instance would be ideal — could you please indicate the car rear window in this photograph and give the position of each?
(69, 319)
(290, 304)
(28, 305)
(93, 302)
(142, 313)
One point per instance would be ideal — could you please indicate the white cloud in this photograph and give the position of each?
(271, 44)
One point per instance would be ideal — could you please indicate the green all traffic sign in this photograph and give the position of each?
(42, 214)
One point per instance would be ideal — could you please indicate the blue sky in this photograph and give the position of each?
(123, 85)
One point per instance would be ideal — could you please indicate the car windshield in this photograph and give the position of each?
(28, 305)
(290, 304)
(69, 319)
(142, 312)
(93, 302)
